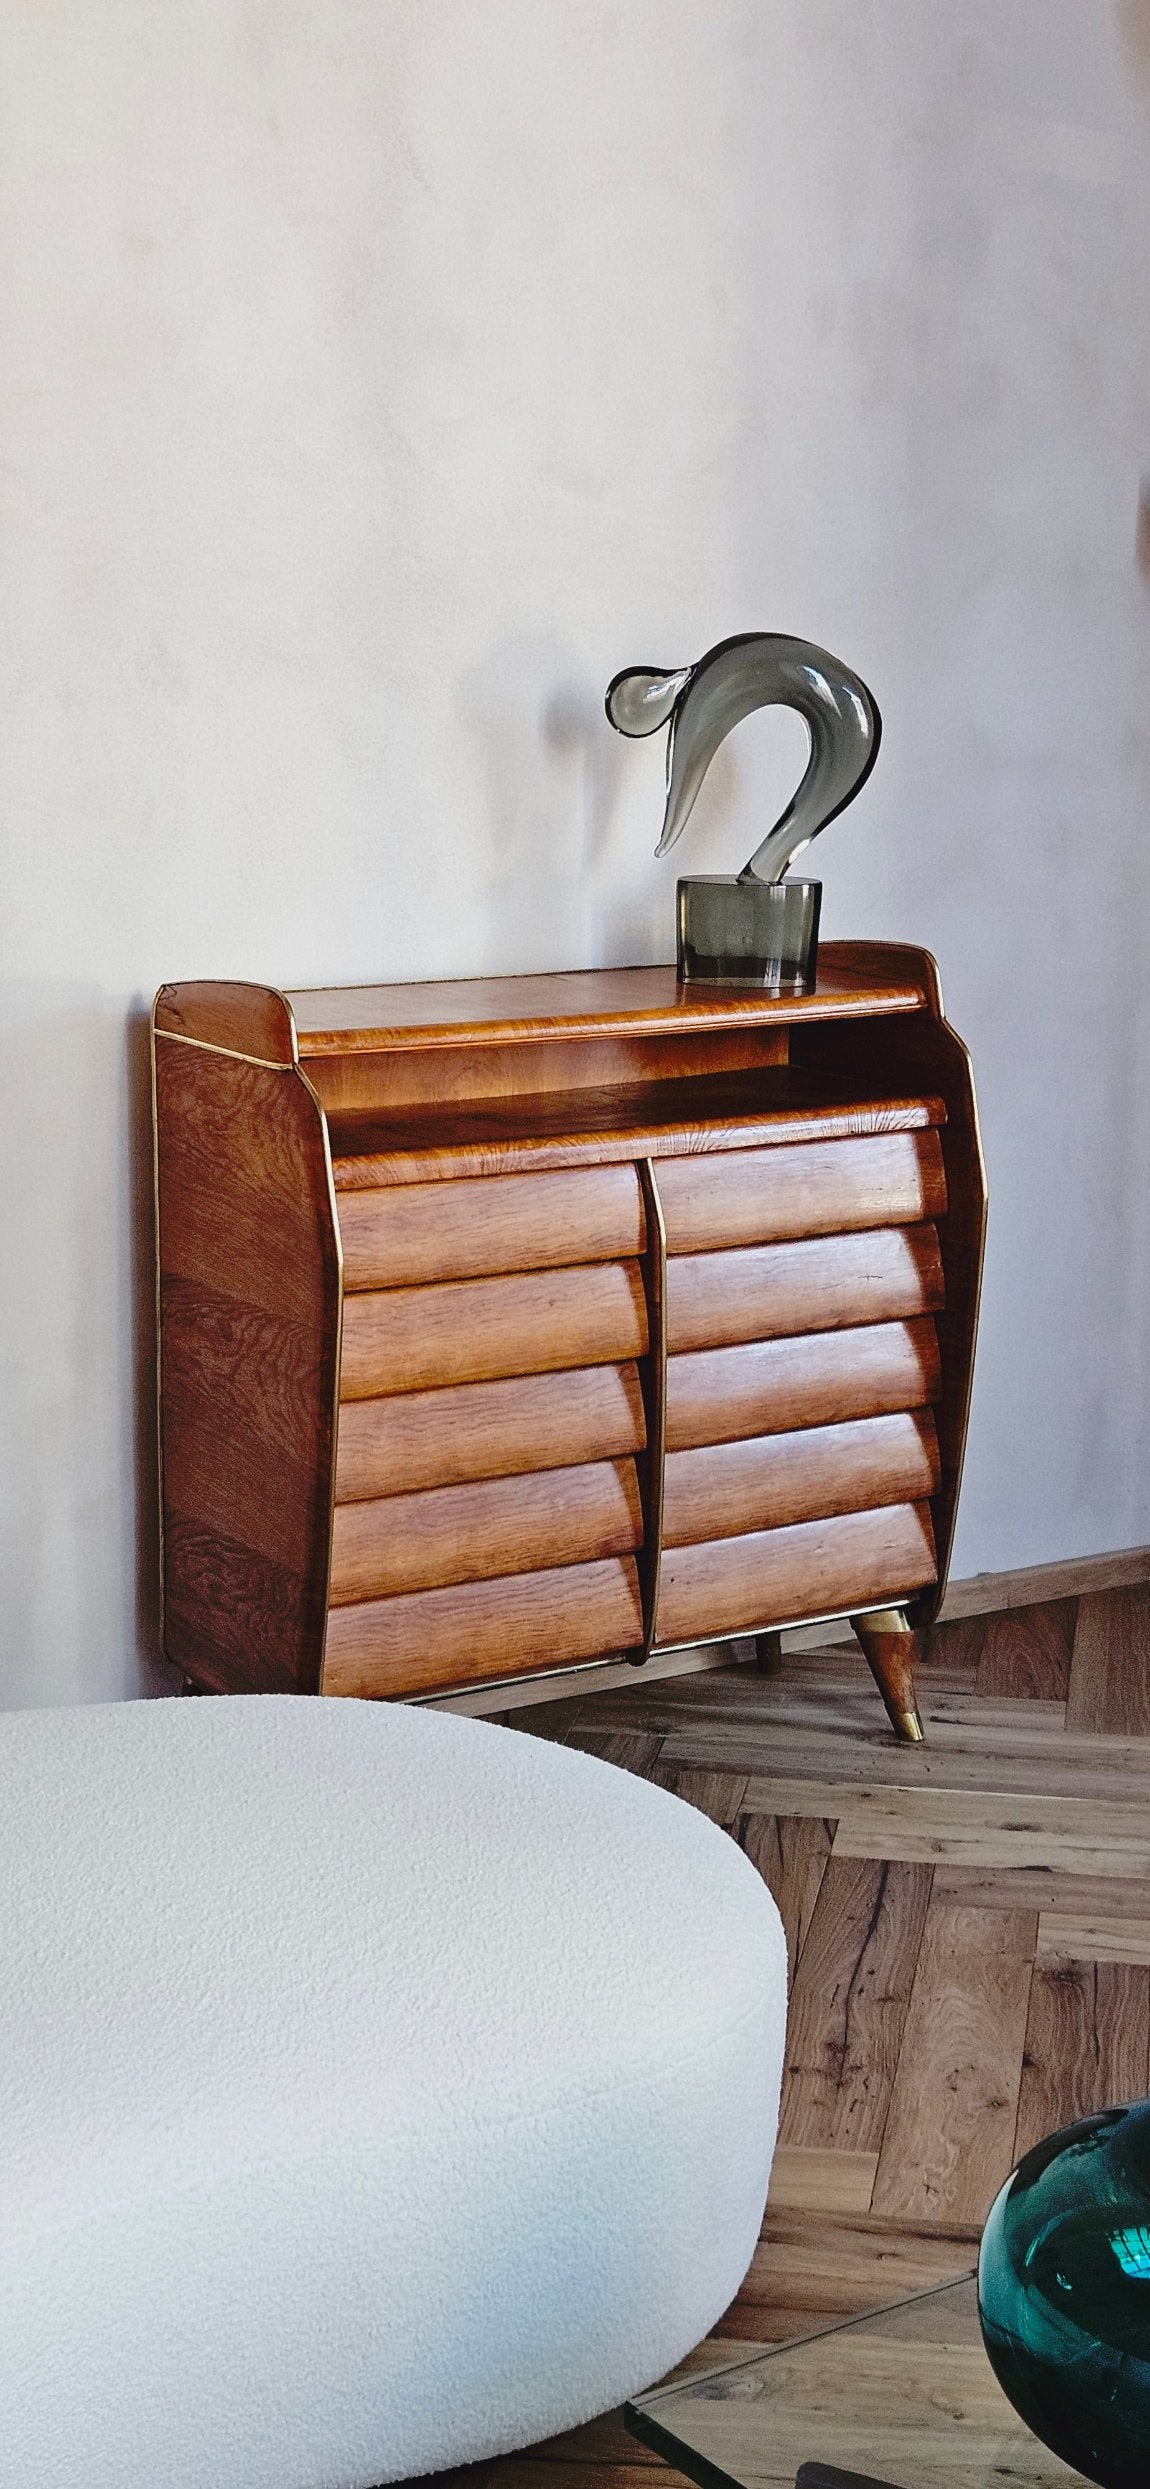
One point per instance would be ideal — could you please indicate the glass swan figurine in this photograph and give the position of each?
(754, 927)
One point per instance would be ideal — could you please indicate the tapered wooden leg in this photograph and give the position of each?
(891, 1646)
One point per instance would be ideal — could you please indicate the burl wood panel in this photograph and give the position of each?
(475, 1533)
(816, 1568)
(819, 1283)
(473, 1330)
(715, 1395)
(488, 1430)
(249, 1312)
(472, 1229)
(821, 1188)
(507, 1628)
(726, 1489)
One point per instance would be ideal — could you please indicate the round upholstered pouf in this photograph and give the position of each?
(378, 2090)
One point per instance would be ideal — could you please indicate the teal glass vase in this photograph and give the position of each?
(1064, 2294)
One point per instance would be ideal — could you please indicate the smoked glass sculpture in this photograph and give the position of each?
(753, 928)
(1064, 2294)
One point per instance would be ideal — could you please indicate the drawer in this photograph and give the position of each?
(818, 1284)
(416, 1339)
(772, 1386)
(724, 1490)
(476, 1533)
(816, 1568)
(475, 1226)
(487, 1430)
(817, 1188)
(432, 1639)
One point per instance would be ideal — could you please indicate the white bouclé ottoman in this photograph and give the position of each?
(378, 2090)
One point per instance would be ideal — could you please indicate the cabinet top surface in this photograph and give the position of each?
(854, 978)
(608, 1001)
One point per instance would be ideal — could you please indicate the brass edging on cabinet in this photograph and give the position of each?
(653, 1378)
(337, 1361)
(158, 1344)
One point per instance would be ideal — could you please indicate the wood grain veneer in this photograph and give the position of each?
(477, 1228)
(248, 1291)
(470, 1331)
(776, 1576)
(818, 1283)
(478, 1532)
(488, 1430)
(855, 979)
(770, 1386)
(512, 1627)
(704, 1117)
(725, 1489)
(886, 1179)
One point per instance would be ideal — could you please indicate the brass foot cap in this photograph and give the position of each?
(908, 1726)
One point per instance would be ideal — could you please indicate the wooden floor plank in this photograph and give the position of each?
(717, 1794)
(964, 1753)
(1110, 1669)
(822, 2181)
(965, 1827)
(1027, 1651)
(790, 1852)
(1087, 2044)
(1081, 1936)
(1044, 1888)
(810, 2271)
(849, 2004)
(949, 2135)
(633, 1749)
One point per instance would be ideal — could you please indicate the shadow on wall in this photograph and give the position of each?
(553, 783)
(68, 1327)
(550, 776)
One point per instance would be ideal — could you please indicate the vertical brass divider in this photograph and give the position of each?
(653, 1379)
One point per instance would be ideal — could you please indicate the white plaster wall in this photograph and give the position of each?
(376, 377)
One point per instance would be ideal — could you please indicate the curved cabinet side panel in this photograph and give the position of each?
(249, 1296)
(926, 1050)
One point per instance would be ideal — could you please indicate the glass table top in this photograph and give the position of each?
(905, 2399)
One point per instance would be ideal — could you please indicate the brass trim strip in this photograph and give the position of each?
(232, 1054)
(337, 1363)
(159, 1339)
(653, 1383)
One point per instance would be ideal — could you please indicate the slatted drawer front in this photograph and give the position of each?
(418, 1339)
(818, 1568)
(470, 1228)
(819, 1188)
(438, 1638)
(487, 1430)
(725, 1490)
(818, 1284)
(475, 1533)
(717, 1395)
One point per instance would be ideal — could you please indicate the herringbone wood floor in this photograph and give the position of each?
(969, 1931)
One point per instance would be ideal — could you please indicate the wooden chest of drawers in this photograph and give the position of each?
(510, 1325)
